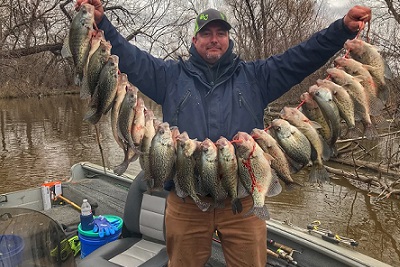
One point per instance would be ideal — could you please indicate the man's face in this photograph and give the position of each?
(211, 42)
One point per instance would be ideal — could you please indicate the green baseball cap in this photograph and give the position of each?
(209, 15)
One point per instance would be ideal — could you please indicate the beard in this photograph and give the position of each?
(214, 57)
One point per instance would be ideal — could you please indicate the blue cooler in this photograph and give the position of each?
(11, 250)
(91, 241)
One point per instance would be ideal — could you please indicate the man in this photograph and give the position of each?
(214, 94)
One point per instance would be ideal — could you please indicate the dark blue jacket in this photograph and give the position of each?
(237, 101)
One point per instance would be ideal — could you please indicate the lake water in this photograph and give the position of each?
(42, 138)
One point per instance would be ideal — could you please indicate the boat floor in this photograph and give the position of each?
(109, 200)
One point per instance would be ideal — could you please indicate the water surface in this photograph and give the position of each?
(42, 138)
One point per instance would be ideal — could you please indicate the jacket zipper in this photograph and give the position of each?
(243, 101)
(178, 109)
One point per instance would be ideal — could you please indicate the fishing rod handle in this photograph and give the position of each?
(281, 246)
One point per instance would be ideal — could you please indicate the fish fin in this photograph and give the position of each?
(121, 168)
(370, 132)
(353, 132)
(318, 174)
(292, 186)
(315, 124)
(326, 149)
(179, 192)
(388, 74)
(92, 116)
(78, 79)
(237, 206)
(260, 212)
(203, 206)
(383, 93)
(376, 105)
(66, 50)
(294, 166)
(274, 188)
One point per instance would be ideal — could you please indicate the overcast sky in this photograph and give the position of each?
(337, 8)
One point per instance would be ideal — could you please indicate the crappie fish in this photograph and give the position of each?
(280, 162)
(255, 173)
(162, 156)
(228, 171)
(149, 133)
(123, 124)
(185, 179)
(357, 69)
(360, 98)
(126, 116)
(369, 55)
(106, 89)
(208, 170)
(312, 111)
(320, 149)
(80, 33)
(95, 64)
(344, 102)
(294, 143)
(324, 98)
(120, 95)
(139, 122)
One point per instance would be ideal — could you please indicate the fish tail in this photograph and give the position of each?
(370, 132)
(353, 132)
(293, 185)
(318, 173)
(260, 212)
(236, 206)
(92, 116)
(204, 206)
(121, 168)
(78, 79)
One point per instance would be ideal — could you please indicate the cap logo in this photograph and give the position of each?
(203, 16)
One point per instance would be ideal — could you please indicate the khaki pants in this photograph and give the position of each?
(189, 233)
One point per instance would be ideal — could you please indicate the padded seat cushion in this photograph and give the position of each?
(139, 253)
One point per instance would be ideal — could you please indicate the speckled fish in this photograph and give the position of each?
(145, 145)
(312, 111)
(124, 124)
(185, 179)
(280, 162)
(95, 64)
(120, 95)
(228, 171)
(255, 173)
(80, 33)
(106, 89)
(324, 98)
(369, 55)
(139, 121)
(360, 98)
(345, 104)
(162, 156)
(294, 143)
(357, 69)
(320, 149)
(208, 171)
(126, 115)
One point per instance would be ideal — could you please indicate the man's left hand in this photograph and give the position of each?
(356, 16)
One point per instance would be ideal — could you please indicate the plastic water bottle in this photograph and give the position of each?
(86, 216)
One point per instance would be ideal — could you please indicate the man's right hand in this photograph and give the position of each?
(98, 8)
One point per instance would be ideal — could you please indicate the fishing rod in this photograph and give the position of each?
(329, 236)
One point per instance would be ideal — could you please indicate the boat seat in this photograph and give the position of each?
(143, 237)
